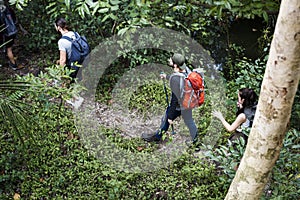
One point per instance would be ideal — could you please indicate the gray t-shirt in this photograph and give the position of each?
(65, 45)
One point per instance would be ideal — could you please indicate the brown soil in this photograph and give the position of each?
(22, 59)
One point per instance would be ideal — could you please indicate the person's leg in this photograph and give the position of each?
(10, 42)
(73, 75)
(164, 126)
(10, 55)
(187, 116)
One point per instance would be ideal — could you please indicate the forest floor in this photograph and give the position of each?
(22, 60)
(131, 124)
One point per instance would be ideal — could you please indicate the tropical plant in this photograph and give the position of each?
(25, 94)
(47, 159)
(283, 182)
(274, 105)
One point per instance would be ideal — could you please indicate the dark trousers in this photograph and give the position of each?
(188, 120)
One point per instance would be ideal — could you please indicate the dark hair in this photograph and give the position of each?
(250, 99)
(62, 23)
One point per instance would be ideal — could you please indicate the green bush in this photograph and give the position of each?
(284, 181)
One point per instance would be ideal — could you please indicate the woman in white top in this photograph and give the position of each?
(247, 99)
(64, 45)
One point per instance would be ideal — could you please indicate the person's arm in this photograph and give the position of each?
(13, 15)
(175, 85)
(241, 118)
(173, 103)
(172, 108)
(62, 58)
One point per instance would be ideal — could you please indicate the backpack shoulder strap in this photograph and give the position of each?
(181, 82)
(67, 38)
(177, 74)
(76, 34)
(70, 39)
(1, 17)
(188, 70)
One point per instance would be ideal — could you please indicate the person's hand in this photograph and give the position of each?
(163, 75)
(218, 115)
(170, 121)
(170, 62)
(239, 105)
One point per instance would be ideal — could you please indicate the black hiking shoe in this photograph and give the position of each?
(151, 137)
(14, 66)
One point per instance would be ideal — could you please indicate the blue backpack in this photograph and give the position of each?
(9, 24)
(80, 50)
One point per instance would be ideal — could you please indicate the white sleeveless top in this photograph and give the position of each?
(246, 124)
(65, 45)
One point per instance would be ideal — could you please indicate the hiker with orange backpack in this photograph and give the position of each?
(175, 109)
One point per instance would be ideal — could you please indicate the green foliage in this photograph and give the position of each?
(227, 158)
(264, 42)
(19, 3)
(13, 110)
(126, 63)
(21, 98)
(284, 180)
(249, 75)
(149, 96)
(65, 170)
(53, 163)
(242, 8)
(244, 73)
(295, 115)
(62, 168)
(43, 96)
(236, 53)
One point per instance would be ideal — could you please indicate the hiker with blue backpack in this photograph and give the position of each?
(175, 109)
(73, 48)
(8, 32)
(246, 107)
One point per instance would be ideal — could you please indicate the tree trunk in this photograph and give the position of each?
(278, 90)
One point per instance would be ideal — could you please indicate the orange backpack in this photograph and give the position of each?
(192, 94)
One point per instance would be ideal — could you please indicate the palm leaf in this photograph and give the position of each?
(14, 85)
(13, 111)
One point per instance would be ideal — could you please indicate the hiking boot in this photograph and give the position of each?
(15, 66)
(152, 137)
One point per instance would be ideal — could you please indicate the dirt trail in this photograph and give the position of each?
(22, 59)
(131, 124)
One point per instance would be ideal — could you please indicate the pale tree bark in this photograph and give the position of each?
(278, 90)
